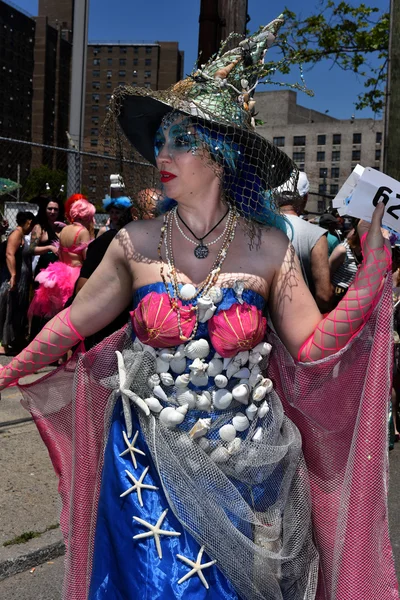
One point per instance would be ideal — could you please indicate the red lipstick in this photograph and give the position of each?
(166, 176)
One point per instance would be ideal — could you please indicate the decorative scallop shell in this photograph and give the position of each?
(251, 412)
(203, 401)
(257, 437)
(178, 365)
(153, 404)
(171, 417)
(199, 379)
(167, 379)
(234, 446)
(180, 352)
(166, 354)
(216, 294)
(263, 348)
(222, 399)
(220, 381)
(162, 366)
(240, 422)
(197, 349)
(182, 381)
(204, 444)
(200, 428)
(215, 367)
(259, 393)
(159, 393)
(227, 433)
(242, 357)
(242, 373)
(241, 393)
(153, 380)
(188, 397)
(220, 455)
(264, 408)
(205, 309)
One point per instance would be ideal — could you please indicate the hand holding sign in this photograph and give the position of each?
(376, 236)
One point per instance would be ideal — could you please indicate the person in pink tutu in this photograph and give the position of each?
(57, 281)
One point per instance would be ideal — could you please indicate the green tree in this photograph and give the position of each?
(35, 184)
(355, 38)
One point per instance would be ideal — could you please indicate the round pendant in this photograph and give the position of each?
(201, 251)
(187, 291)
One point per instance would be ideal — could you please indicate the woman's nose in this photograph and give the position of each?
(164, 154)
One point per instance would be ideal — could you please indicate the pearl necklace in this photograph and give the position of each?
(206, 285)
(201, 250)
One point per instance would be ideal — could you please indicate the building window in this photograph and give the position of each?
(95, 120)
(322, 188)
(95, 107)
(334, 188)
(94, 131)
(110, 49)
(147, 62)
(299, 140)
(96, 73)
(335, 172)
(357, 138)
(96, 62)
(135, 62)
(121, 73)
(378, 154)
(93, 178)
(335, 155)
(108, 96)
(93, 143)
(321, 206)
(92, 165)
(122, 62)
(356, 155)
(323, 172)
(279, 141)
(92, 189)
(321, 140)
(148, 49)
(336, 138)
(136, 50)
(147, 74)
(109, 62)
(95, 85)
(378, 139)
(147, 84)
(109, 74)
(320, 156)
(122, 50)
(134, 74)
(95, 97)
(298, 156)
(108, 84)
(96, 50)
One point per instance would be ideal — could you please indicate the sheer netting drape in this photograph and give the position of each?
(340, 406)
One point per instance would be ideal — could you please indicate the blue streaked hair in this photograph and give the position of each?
(121, 202)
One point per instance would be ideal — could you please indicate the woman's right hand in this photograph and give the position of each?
(54, 250)
(13, 283)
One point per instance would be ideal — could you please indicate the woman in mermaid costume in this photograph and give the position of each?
(209, 449)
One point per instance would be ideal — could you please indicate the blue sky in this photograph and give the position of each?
(177, 20)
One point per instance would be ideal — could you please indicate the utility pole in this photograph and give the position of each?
(219, 18)
(392, 114)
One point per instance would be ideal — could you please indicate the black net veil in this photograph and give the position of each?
(216, 109)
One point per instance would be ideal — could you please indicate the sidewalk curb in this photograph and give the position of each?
(21, 557)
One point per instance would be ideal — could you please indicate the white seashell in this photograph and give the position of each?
(216, 294)
(242, 374)
(262, 411)
(227, 362)
(167, 379)
(182, 381)
(153, 404)
(153, 380)
(149, 349)
(199, 379)
(204, 444)
(234, 446)
(241, 393)
(227, 433)
(215, 367)
(197, 349)
(200, 428)
(187, 291)
(166, 354)
(255, 358)
(263, 348)
(188, 397)
(205, 309)
(257, 437)
(203, 402)
(259, 393)
(198, 367)
(162, 366)
(216, 355)
(240, 422)
(159, 393)
(267, 383)
(180, 352)
(242, 357)
(220, 381)
(251, 412)
(178, 365)
(255, 376)
(222, 399)
(171, 417)
(220, 455)
(232, 368)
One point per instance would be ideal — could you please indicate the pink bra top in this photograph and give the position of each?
(239, 327)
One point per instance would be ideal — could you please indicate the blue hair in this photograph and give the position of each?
(121, 202)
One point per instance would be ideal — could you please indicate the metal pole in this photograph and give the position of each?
(392, 143)
(18, 180)
(77, 94)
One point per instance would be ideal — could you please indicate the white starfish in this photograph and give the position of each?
(131, 448)
(127, 395)
(197, 567)
(139, 485)
(155, 531)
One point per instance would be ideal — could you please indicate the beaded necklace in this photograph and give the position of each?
(207, 284)
(201, 250)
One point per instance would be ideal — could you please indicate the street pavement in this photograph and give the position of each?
(29, 502)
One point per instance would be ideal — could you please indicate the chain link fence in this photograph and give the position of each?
(42, 170)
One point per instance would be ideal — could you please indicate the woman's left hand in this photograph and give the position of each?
(377, 237)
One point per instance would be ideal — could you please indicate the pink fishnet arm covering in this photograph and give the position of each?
(56, 337)
(342, 323)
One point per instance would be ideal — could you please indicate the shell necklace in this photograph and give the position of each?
(189, 291)
(201, 250)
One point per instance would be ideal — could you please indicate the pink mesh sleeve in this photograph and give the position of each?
(342, 323)
(56, 337)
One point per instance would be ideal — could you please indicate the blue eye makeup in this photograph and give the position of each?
(179, 139)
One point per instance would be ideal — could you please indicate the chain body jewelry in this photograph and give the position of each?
(201, 250)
